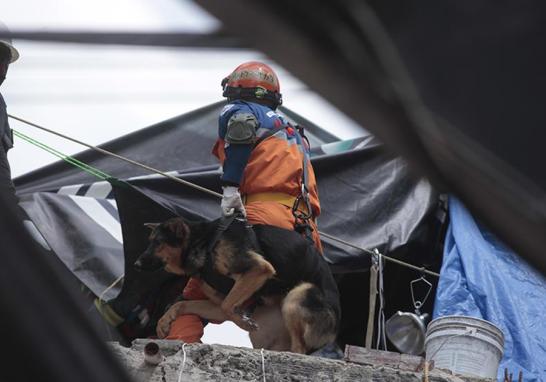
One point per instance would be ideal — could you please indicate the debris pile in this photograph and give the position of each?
(200, 362)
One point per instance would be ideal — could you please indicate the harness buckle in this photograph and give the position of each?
(301, 224)
(298, 212)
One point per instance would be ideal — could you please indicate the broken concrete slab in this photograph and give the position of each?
(226, 363)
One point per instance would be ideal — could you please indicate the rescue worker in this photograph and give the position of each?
(264, 158)
(267, 175)
(8, 54)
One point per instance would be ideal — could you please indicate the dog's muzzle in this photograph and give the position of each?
(148, 262)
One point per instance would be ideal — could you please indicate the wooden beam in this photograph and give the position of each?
(363, 356)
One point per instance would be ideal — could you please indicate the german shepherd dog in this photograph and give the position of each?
(271, 273)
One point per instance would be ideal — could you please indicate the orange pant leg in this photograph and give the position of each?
(189, 327)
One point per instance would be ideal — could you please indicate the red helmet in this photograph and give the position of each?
(253, 79)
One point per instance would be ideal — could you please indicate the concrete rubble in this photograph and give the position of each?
(227, 363)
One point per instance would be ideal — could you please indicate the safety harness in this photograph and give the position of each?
(223, 283)
(301, 204)
(208, 273)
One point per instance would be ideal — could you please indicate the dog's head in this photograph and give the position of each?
(167, 242)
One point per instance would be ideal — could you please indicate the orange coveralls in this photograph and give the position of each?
(271, 181)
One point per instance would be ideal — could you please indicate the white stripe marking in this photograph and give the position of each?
(99, 190)
(113, 203)
(69, 190)
(98, 213)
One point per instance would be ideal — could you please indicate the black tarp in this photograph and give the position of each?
(368, 197)
(147, 200)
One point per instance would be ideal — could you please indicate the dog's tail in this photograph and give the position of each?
(311, 321)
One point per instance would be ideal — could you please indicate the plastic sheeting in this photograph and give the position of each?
(85, 235)
(46, 331)
(368, 197)
(482, 278)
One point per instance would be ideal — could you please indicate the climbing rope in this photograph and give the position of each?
(105, 176)
(73, 161)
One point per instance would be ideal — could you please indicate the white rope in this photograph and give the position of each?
(387, 258)
(110, 287)
(183, 362)
(263, 364)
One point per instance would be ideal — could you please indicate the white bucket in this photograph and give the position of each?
(465, 345)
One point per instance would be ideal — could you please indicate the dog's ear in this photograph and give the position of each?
(151, 226)
(178, 227)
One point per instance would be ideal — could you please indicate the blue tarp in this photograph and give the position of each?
(482, 278)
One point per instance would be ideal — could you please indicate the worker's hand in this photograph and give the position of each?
(164, 323)
(244, 322)
(231, 201)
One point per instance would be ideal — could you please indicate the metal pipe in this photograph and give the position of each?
(152, 353)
